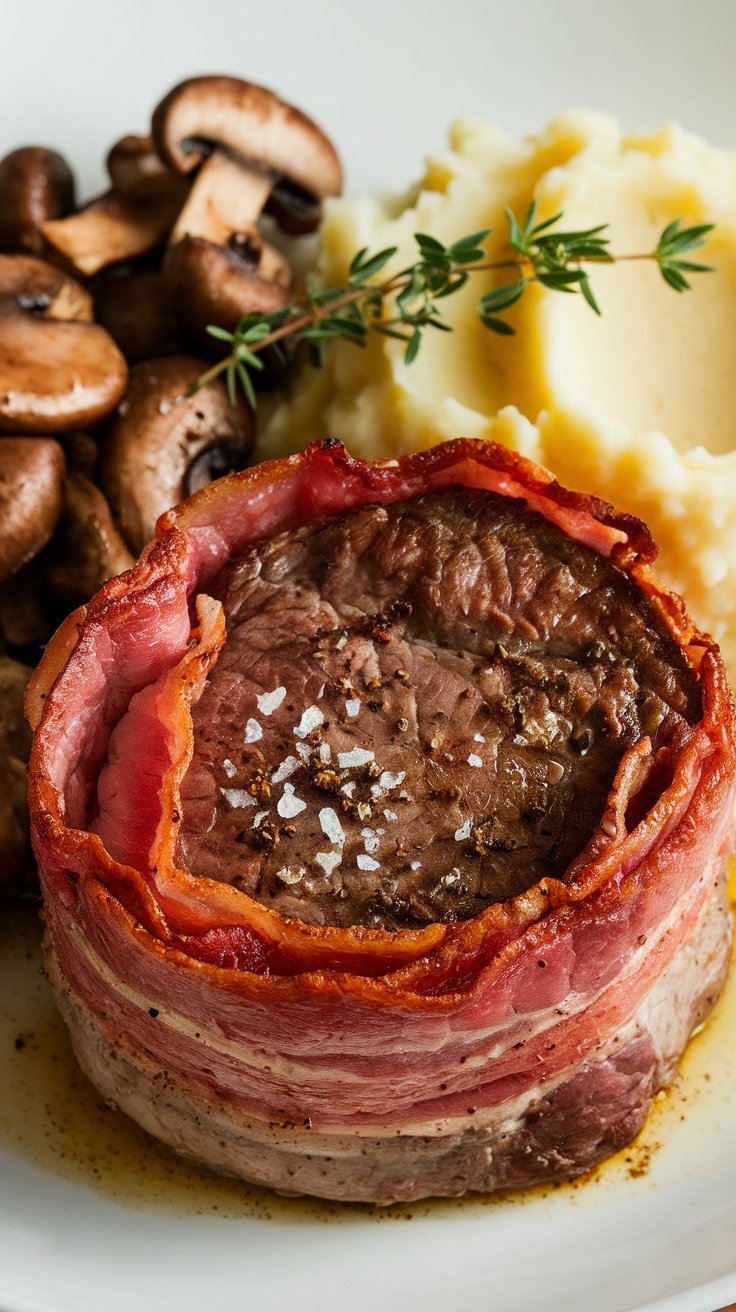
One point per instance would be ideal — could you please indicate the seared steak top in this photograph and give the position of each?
(419, 710)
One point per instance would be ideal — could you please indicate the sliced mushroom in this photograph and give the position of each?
(31, 498)
(253, 152)
(58, 370)
(162, 445)
(16, 857)
(36, 184)
(252, 124)
(132, 218)
(217, 285)
(87, 548)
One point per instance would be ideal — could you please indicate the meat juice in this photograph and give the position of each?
(51, 1116)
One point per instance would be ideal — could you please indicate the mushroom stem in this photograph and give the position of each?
(251, 152)
(113, 228)
(130, 219)
(225, 198)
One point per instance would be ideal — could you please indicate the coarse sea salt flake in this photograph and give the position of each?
(371, 841)
(478, 738)
(311, 720)
(286, 769)
(288, 875)
(288, 805)
(325, 753)
(475, 760)
(389, 780)
(463, 831)
(348, 789)
(238, 797)
(328, 860)
(390, 815)
(229, 768)
(331, 826)
(416, 865)
(257, 818)
(268, 702)
(253, 731)
(367, 862)
(358, 756)
(304, 750)
(352, 706)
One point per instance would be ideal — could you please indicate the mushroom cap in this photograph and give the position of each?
(135, 168)
(215, 285)
(251, 123)
(295, 210)
(58, 370)
(161, 445)
(31, 498)
(136, 306)
(36, 184)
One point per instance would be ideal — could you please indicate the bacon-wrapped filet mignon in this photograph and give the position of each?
(382, 812)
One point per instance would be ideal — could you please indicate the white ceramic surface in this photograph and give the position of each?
(384, 77)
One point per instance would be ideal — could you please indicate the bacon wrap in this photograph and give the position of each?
(329, 1036)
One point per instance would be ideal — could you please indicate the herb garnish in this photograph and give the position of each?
(406, 304)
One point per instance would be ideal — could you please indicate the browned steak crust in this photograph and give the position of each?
(489, 670)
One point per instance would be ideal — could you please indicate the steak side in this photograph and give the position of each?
(556, 1128)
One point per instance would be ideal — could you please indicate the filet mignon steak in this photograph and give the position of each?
(382, 813)
(419, 710)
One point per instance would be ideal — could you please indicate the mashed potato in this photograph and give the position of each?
(638, 406)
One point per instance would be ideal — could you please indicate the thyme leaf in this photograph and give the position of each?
(404, 305)
(672, 245)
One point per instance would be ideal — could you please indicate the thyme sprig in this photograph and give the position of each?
(406, 304)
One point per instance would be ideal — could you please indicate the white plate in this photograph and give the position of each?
(384, 77)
